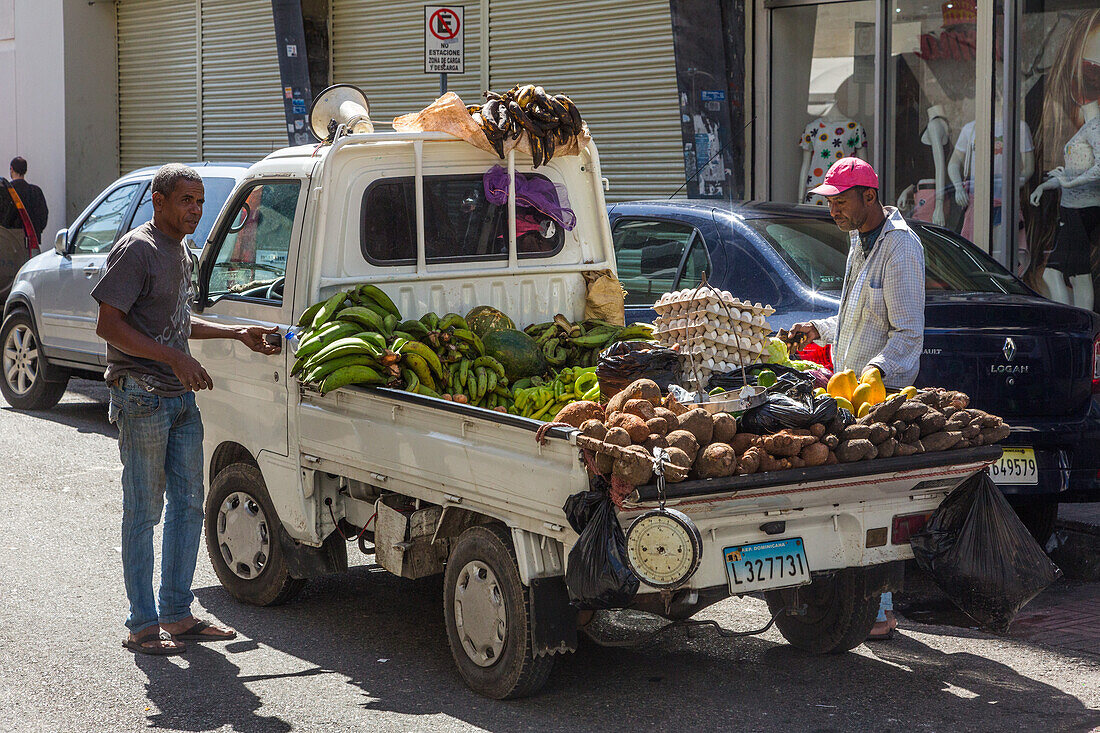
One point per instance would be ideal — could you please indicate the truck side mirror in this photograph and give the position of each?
(61, 243)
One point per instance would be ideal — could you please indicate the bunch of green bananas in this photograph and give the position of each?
(579, 344)
(541, 400)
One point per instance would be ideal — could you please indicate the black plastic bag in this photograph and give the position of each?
(626, 361)
(783, 411)
(981, 555)
(598, 576)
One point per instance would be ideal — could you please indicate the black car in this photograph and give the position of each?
(1017, 354)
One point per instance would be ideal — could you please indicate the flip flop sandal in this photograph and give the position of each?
(137, 645)
(195, 633)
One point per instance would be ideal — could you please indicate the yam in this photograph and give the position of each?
(641, 408)
(887, 448)
(905, 449)
(576, 413)
(698, 423)
(668, 415)
(948, 411)
(749, 462)
(815, 454)
(654, 441)
(899, 426)
(885, 410)
(984, 419)
(911, 410)
(771, 463)
(633, 466)
(725, 427)
(959, 400)
(743, 441)
(685, 441)
(879, 433)
(641, 389)
(673, 405)
(784, 444)
(970, 431)
(911, 434)
(632, 424)
(931, 422)
(617, 436)
(940, 441)
(657, 426)
(832, 459)
(678, 458)
(836, 427)
(817, 430)
(594, 428)
(796, 462)
(963, 443)
(856, 431)
(858, 449)
(995, 435)
(831, 441)
(716, 461)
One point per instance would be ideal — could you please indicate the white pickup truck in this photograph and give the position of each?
(435, 487)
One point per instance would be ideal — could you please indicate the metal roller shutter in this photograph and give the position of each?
(157, 93)
(378, 45)
(616, 61)
(242, 100)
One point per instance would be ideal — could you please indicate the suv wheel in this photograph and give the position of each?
(26, 382)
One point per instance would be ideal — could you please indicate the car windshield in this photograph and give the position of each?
(216, 191)
(817, 251)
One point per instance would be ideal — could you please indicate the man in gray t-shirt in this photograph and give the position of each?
(145, 317)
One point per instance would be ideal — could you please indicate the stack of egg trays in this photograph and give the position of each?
(715, 331)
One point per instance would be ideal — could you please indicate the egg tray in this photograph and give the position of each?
(706, 299)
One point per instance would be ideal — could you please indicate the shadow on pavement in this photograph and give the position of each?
(86, 416)
(386, 636)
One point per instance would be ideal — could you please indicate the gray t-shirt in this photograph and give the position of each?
(148, 277)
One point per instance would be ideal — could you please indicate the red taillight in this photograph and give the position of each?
(1096, 365)
(905, 526)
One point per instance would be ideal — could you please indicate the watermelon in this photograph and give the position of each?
(485, 318)
(517, 353)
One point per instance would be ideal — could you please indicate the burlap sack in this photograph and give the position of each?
(448, 114)
(605, 298)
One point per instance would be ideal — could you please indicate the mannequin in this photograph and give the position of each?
(960, 170)
(1078, 62)
(824, 141)
(936, 135)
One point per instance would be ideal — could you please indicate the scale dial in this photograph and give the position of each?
(663, 547)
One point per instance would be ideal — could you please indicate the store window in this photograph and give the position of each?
(822, 92)
(1058, 87)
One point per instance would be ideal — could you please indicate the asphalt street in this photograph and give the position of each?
(367, 650)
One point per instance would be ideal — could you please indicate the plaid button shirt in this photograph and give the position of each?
(881, 316)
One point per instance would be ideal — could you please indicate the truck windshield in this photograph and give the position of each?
(817, 251)
(460, 223)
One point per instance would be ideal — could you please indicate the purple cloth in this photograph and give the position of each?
(536, 193)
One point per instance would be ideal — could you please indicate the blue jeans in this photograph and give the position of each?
(885, 603)
(160, 444)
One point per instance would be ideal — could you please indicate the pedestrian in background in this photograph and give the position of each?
(33, 199)
(144, 301)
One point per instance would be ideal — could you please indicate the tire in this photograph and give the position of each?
(242, 539)
(1039, 518)
(485, 555)
(838, 617)
(27, 382)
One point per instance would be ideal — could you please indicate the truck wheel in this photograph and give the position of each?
(488, 617)
(838, 618)
(24, 384)
(1039, 518)
(242, 539)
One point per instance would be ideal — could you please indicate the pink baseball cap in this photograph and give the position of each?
(846, 173)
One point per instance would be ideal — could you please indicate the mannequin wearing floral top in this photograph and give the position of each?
(825, 141)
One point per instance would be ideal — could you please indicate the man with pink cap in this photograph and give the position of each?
(880, 323)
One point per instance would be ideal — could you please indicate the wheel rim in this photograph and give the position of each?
(480, 616)
(21, 359)
(242, 535)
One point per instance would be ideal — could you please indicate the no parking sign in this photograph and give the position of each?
(444, 33)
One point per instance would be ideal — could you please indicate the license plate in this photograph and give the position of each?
(1016, 466)
(763, 565)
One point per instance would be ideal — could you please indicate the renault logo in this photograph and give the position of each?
(1009, 349)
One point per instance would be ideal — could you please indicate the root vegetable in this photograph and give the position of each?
(817, 430)
(594, 428)
(617, 436)
(884, 411)
(899, 427)
(750, 460)
(678, 458)
(858, 449)
(911, 434)
(905, 449)
(654, 441)
(673, 405)
(856, 431)
(887, 448)
(879, 433)
(685, 441)
(969, 432)
(931, 422)
(940, 441)
(815, 454)
(633, 466)
(831, 441)
(632, 424)
(770, 463)
(698, 422)
(783, 444)
(725, 427)
(995, 435)
(796, 462)
(743, 441)
(657, 426)
(640, 389)
(668, 415)
(832, 459)
(641, 408)
(575, 413)
(716, 461)
(911, 410)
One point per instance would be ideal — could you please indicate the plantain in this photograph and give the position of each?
(375, 293)
(536, 151)
(307, 317)
(344, 347)
(354, 374)
(547, 148)
(328, 310)
(490, 95)
(482, 381)
(420, 367)
(326, 335)
(365, 317)
(322, 370)
(423, 350)
(575, 121)
(490, 363)
(430, 319)
(635, 331)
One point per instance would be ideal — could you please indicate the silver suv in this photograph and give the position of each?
(48, 332)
